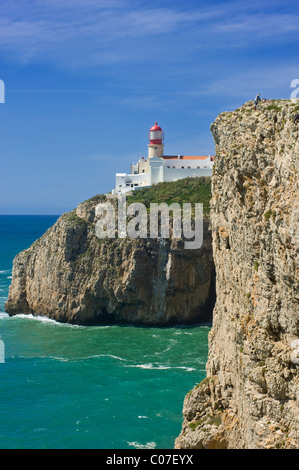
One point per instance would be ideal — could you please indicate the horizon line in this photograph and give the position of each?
(11, 215)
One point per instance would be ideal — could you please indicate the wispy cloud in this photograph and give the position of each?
(261, 24)
(247, 82)
(95, 32)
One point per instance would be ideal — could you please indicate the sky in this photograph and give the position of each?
(86, 79)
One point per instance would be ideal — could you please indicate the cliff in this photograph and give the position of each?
(70, 275)
(250, 396)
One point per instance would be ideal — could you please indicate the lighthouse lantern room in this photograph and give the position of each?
(156, 138)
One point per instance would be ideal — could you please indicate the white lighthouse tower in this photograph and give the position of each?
(156, 137)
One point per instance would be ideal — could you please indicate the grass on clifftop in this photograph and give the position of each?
(192, 190)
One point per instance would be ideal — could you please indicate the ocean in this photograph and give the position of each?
(101, 387)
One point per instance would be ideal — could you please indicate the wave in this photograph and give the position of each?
(5, 271)
(137, 445)
(3, 315)
(182, 333)
(111, 355)
(83, 358)
(187, 369)
(172, 343)
(43, 319)
(161, 367)
(71, 359)
(150, 366)
(36, 317)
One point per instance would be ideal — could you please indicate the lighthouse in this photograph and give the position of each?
(159, 168)
(156, 138)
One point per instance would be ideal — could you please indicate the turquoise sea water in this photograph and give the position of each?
(75, 387)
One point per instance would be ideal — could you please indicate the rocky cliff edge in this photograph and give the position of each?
(250, 396)
(72, 276)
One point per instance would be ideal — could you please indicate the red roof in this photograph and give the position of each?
(155, 127)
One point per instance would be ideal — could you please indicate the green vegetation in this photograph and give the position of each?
(192, 190)
(205, 381)
(73, 218)
(194, 425)
(269, 214)
(85, 254)
(212, 421)
(256, 265)
(97, 198)
(273, 107)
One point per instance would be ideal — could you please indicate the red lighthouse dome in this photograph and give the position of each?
(156, 135)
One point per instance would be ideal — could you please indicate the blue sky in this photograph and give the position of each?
(86, 79)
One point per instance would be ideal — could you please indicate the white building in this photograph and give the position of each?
(159, 167)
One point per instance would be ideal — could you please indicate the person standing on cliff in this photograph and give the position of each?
(257, 100)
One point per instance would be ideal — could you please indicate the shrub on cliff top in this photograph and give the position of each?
(192, 190)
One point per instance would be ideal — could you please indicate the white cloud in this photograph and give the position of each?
(94, 32)
(261, 24)
(248, 82)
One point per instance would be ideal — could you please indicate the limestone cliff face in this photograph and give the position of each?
(250, 397)
(72, 276)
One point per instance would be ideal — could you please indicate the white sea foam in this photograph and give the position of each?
(94, 356)
(149, 366)
(172, 343)
(187, 369)
(36, 317)
(137, 445)
(111, 355)
(60, 359)
(182, 333)
(42, 319)
(3, 315)
(160, 367)
(80, 358)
